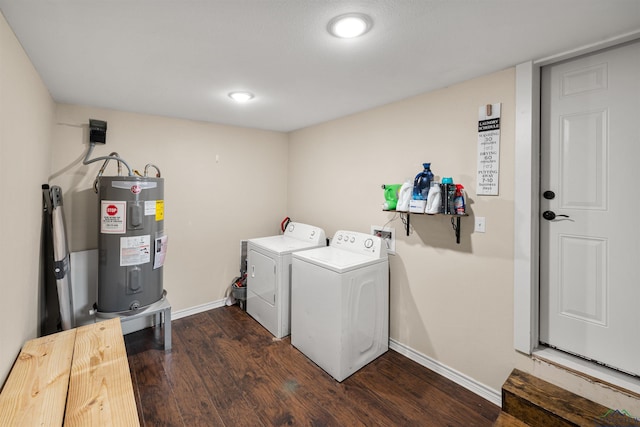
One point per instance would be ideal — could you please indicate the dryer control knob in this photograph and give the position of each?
(368, 243)
(353, 239)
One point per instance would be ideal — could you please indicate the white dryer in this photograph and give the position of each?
(340, 303)
(269, 274)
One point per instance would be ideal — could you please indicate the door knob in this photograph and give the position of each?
(551, 215)
(549, 195)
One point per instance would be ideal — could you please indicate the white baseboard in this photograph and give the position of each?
(493, 396)
(197, 309)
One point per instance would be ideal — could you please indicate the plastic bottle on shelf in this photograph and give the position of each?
(404, 196)
(422, 183)
(390, 195)
(434, 200)
(458, 201)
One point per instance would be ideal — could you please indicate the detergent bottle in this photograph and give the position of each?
(404, 196)
(422, 182)
(390, 196)
(434, 201)
(458, 200)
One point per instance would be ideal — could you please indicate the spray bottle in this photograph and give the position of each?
(458, 201)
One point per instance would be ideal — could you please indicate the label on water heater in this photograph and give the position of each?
(161, 252)
(150, 207)
(113, 217)
(154, 208)
(159, 210)
(134, 186)
(135, 250)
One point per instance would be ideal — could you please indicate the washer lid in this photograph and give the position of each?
(281, 244)
(335, 259)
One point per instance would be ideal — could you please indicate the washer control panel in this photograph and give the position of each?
(361, 243)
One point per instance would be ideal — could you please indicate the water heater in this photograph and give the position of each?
(131, 242)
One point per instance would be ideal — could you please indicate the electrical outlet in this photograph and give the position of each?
(388, 236)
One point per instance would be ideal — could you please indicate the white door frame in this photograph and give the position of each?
(527, 192)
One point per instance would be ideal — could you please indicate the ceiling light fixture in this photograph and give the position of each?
(241, 96)
(349, 25)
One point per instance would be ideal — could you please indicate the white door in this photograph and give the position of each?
(590, 258)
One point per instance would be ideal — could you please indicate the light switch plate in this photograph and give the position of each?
(480, 226)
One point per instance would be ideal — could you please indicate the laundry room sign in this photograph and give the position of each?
(488, 150)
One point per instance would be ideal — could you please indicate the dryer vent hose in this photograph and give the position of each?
(284, 223)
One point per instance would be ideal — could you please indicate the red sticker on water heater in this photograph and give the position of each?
(135, 189)
(112, 210)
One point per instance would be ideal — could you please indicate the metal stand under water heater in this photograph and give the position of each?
(131, 240)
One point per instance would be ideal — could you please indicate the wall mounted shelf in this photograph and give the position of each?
(455, 221)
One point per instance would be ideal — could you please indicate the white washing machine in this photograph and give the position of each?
(340, 303)
(269, 274)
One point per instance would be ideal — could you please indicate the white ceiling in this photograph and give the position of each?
(180, 58)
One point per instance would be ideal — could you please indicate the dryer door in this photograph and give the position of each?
(261, 277)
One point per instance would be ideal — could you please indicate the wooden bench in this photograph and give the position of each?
(78, 377)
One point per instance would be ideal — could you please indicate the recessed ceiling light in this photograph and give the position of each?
(349, 25)
(241, 96)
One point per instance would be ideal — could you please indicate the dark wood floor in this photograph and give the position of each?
(225, 369)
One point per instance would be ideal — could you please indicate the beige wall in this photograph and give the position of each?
(26, 118)
(453, 303)
(209, 206)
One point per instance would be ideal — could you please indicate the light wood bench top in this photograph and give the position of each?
(31, 395)
(84, 369)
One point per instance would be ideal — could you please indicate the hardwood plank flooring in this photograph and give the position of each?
(225, 369)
